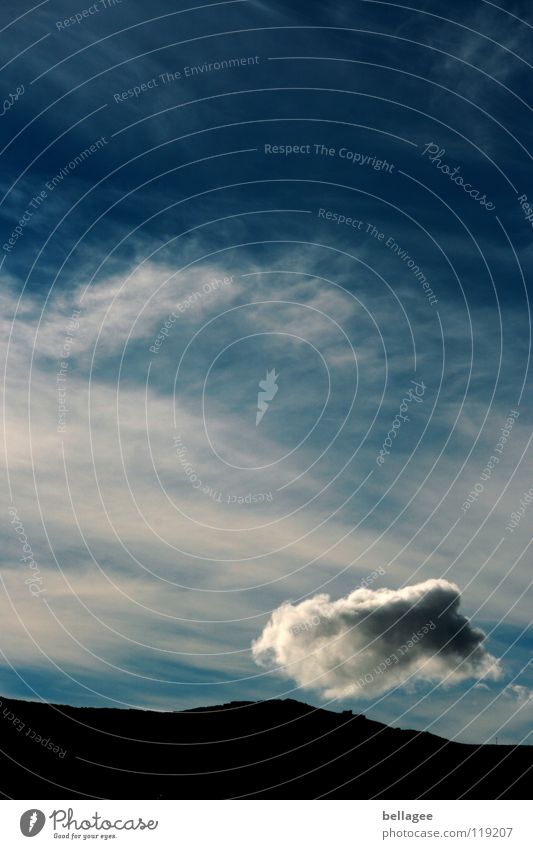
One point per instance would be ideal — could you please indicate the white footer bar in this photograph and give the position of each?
(264, 824)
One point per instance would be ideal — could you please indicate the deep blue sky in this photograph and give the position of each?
(153, 590)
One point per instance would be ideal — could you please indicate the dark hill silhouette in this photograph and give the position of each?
(270, 749)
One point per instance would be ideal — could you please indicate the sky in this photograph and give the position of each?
(266, 357)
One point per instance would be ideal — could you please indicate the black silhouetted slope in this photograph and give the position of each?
(270, 749)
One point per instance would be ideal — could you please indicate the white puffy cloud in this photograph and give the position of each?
(523, 695)
(373, 640)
